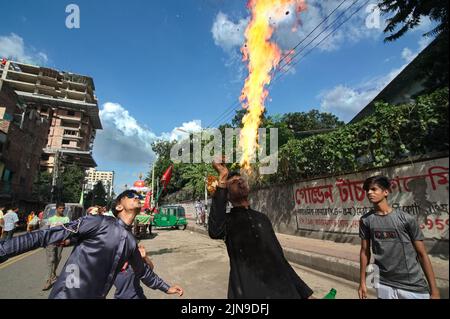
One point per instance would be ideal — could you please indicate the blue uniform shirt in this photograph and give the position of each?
(103, 244)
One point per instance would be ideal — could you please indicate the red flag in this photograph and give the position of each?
(165, 179)
(147, 201)
(4, 61)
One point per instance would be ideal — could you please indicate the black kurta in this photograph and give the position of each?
(258, 268)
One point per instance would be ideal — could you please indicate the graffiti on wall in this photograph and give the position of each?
(336, 204)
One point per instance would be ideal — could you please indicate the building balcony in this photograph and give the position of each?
(72, 137)
(70, 118)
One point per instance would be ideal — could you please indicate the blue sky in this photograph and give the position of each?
(163, 64)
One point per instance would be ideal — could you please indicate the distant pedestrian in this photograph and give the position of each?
(54, 252)
(11, 221)
(32, 222)
(2, 221)
(198, 212)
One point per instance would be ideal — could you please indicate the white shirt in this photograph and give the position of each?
(10, 219)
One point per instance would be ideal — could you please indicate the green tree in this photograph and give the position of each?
(97, 196)
(195, 175)
(71, 181)
(407, 14)
(393, 133)
(162, 150)
(301, 123)
(42, 188)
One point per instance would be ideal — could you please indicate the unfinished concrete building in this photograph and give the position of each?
(23, 135)
(68, 101)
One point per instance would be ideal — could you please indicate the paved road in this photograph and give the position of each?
(194, 261)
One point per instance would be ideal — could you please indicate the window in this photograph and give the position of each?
(69, 132)
(44, 109)
(45, 157)
(71, 113)
(65, 142)
(68, 124)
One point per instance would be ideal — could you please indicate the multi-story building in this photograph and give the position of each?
(106, 177)
(23, 135)
(68, 101)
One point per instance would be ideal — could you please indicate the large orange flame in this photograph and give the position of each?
(262, 56)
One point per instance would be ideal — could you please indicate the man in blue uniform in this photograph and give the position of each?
(102, 246)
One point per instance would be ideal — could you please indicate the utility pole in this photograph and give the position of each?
(206, 189)
(55, 175)
(153, 186)
(157, 190)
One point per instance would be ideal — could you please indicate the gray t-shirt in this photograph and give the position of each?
(392, 238)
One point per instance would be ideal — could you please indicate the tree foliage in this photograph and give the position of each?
(392, 133)
(97, 196)
(408, 14)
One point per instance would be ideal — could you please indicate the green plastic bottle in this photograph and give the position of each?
(331, 294)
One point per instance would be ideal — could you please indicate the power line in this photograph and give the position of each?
(227, 111)
(320, 42)
(226, 114)
(325, 19)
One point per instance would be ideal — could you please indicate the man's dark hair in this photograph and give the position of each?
(233, 174)
(60, 204)
(119, 198)
(379, 180)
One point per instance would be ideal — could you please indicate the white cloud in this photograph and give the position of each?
(408, 55)
(424, 42)
(228, 34)
(292, 28)
(13, 47)
(124, 140)
(345, 102)
(183, 131)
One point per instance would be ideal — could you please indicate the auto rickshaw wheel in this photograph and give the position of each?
(184, 227)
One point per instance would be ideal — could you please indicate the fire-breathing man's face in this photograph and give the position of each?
(238, 189)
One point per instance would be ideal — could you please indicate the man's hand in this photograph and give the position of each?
(435, 295)
(221, 169)
(142, 251)
(362, 291)
(175, 290)
(64, 243)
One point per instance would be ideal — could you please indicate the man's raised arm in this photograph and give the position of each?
(217, 218)
(42, 238)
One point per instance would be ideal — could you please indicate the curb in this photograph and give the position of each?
(339, 267)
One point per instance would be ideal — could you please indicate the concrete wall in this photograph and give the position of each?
(330, 208)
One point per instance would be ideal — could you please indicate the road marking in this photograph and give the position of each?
(17, 258)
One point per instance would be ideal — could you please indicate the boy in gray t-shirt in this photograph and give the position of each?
(397, 246)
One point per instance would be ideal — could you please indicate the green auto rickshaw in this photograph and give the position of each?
(173, 216)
